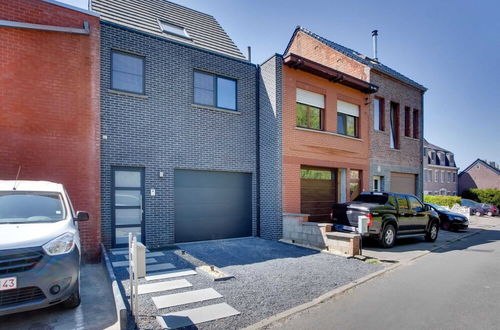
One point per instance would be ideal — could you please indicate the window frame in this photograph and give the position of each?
(123, 52)
(394, 122)
(416, 124)
(356, 125)
(321, 117)
(408, 122)
(381, 114)
(215, 91)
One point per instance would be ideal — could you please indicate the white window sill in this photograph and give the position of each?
(329, 133)
(139, 96)
(206, 107)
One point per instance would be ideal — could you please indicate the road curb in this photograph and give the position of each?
(340, 290)
(121, 309)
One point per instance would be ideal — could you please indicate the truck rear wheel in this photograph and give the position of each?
(388, 237)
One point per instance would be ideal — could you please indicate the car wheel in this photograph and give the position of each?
(74, 300)
(432, 234)
(388, 236)
(490, 213)
(478, 214)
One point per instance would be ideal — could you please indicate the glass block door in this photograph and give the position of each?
(127, 205)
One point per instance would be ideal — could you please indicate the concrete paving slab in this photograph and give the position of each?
(171, 274)
(185, 298)
(163, 286)
(125, 263)
(157, 267)
(195, 316)
(150, 254)
(119, 252)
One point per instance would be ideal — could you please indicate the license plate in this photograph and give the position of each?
(8, 283)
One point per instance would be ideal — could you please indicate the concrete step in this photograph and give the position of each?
(194, 316)
(185, 298)
(163, 286)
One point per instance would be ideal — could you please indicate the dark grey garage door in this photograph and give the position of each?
(212, 205)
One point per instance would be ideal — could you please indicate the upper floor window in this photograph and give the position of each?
(416, 124)
(310, 107)
(454, 177)
(436, 176)
(407, 121)
(394, 133)
(347, 118)
(173, 29)
(378, 114)
(127, 72)
(449, 177)
(215, 91)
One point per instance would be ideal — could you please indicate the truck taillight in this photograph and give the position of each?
(370, 219)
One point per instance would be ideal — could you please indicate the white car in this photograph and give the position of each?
(39, 246)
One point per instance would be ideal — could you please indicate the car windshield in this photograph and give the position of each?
(29, 207)
(438, 207)
(369, 198)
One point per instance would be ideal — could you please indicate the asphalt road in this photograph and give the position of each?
(457, 287)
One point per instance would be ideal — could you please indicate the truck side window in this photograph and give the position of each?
(403, 203)
(392, 201)
(415, 204)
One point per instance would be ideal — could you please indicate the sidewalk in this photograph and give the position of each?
(407, 249)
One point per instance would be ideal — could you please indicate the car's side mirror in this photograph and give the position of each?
(82, 216)
(427, 208)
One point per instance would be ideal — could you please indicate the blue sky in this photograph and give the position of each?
(451, 47)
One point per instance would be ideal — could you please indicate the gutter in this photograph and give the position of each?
(50, 28)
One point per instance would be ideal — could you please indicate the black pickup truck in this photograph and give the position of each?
(389, 215)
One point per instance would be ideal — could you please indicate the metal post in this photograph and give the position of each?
(130, 271)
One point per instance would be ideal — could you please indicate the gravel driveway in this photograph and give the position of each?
(270, 277)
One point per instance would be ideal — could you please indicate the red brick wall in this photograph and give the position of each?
(49, 105)
(319, 148)
(479, 176)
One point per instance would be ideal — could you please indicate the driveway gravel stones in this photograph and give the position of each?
(270, 277)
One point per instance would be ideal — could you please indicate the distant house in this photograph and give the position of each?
(440, 171)
(480, 174)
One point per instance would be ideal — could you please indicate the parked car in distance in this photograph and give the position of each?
(475, 207)
(390, 215)
(450, 220)
(490, 210)
(39, 247)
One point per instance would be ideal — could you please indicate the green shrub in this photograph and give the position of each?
(488, 196)
(442, 200)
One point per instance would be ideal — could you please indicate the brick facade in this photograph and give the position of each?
(383, 159)
(49, 101)
(163, 130)
(479, 175)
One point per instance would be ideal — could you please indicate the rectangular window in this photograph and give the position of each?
(309, 109)
(378, 183)
(454, 177)
(347, 118)
(378, 114)
(430, 175)
(442, 176)
(449, 177)
(355, 184)
(215, 91)
(416, 124)
(394, 134)
(436, 176)
(173, 29)
(127, 72)
(407, 121)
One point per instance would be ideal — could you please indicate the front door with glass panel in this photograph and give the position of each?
(127, 199)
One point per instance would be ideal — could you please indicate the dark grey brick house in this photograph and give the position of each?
(179, 127)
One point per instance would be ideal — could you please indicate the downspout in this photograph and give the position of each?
(257, 145)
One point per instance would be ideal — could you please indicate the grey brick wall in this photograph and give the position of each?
(270, 129)
(165, 131)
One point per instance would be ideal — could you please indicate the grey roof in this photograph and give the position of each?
(144, 15)
(371, 63)
(435, 147)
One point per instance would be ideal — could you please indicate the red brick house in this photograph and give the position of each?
(480, 174)
(49, 102)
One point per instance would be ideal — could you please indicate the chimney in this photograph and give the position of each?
(374, 37)
(249, 54)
